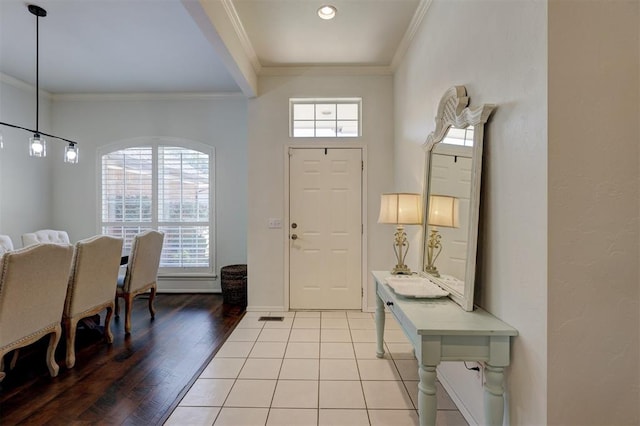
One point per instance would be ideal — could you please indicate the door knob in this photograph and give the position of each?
(294, 237)
(294, 225)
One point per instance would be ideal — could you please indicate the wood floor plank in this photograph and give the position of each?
(137, 380)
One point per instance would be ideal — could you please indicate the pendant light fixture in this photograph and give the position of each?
(37, 142)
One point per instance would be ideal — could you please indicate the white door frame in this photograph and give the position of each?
(364, 276)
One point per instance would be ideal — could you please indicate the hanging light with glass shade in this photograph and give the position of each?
(37, 142)
(71, 154)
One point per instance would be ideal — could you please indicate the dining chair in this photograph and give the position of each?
(33, 286)
(5, 244)
(45, 236)
(141, 274)
(92, 286)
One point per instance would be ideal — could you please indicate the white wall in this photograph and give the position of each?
(594, 284)
(25, 182)
(498, 50)
(95, 121)
(268, 136)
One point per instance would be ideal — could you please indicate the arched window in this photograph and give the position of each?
(167, 186)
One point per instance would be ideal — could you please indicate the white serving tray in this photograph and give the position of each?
(415, 287)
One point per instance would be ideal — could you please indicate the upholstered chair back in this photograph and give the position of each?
(45, 236)
(5, 244)
(144, 260)
(94, 273)
(33, 286)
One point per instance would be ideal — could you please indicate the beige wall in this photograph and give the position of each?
(593, 320)
(269, 135)
(97, 121)
(498, 50)
(25, 183)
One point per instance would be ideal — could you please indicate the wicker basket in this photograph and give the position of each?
(233, 280)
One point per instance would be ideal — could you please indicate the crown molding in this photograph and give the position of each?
(418, 16)
(146, 96)
(326, 70)
(22, 85)
(232, 13)
(182, 96)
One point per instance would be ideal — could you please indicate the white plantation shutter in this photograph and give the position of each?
(183, 206)
(165, 188)
(127, 185)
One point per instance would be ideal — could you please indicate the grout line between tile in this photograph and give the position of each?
(319, 358)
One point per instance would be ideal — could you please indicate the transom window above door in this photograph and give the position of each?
(164, 187)
(320, 118)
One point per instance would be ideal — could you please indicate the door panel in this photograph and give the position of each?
(326, 206)
(452, 176)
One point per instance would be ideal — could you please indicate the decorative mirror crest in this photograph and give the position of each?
(453, 169)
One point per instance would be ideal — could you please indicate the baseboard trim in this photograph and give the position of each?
(266, 309)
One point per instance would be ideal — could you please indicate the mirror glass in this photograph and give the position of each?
(452, 195)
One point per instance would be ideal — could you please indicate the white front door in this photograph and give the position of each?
(325, 228)
(451, 175)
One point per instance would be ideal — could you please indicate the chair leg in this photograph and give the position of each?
(54, 338)
(152, 296)
(70, 326)
(14, 359)
(116, 304)
(2, 354)
(128, 306)
(107, 325)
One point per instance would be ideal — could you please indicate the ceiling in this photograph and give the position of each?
(167, 46)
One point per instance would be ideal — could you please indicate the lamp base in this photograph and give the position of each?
(401, 270)
(432, 270)
(434, 247)
(400, 247)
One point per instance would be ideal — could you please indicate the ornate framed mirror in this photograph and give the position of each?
(453, 171)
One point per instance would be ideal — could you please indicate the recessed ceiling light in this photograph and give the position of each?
(327, 12)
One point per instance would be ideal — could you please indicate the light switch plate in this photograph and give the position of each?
(275, 223)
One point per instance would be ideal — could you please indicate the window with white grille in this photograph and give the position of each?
(163, 187)
(318, 118)
(462, 137)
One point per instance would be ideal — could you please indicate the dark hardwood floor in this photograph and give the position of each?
(137, 380)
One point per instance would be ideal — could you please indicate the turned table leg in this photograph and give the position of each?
(493, 395)
(427, 402)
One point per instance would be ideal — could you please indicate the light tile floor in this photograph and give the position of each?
(313, 368)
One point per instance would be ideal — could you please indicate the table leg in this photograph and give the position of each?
(427, 401)
(493, 395)
(379, 327)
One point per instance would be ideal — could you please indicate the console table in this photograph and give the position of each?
(441, 331)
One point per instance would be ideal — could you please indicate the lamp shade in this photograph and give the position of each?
(401, 209)
(443, 211)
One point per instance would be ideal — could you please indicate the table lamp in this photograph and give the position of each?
(400, 209)
(443, 211)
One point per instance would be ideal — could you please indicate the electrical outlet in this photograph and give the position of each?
(275, 223)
